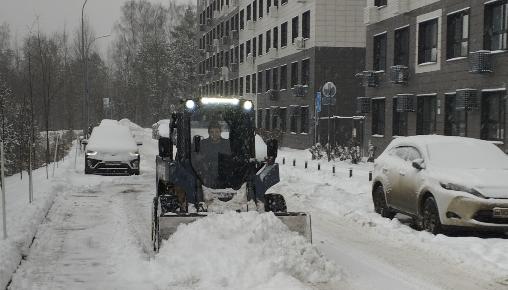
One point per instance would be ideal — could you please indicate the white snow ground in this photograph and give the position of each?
(96, 236)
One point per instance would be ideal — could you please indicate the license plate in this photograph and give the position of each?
(500, 212)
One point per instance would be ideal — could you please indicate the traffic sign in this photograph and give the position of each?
(329, 90)
(318, 102)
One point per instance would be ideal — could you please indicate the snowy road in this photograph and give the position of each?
(96, 236)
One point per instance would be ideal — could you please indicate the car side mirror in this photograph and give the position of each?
(84, 142)
(419, 164)
(197, 143)
(272, 147)
(139, 143)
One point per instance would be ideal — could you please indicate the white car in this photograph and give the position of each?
(443, 182)
(111, 149)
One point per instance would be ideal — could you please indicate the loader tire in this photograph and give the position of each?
(275, 203)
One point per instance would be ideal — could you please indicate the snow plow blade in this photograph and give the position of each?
(296, 222)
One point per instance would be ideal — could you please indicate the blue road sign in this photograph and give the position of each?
(318, 102)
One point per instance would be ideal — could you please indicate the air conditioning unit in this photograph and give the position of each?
(216, 14)
(467, 100)
(274, 11)
(250, 24)
(300, 43)
(406, 103)
(249, 59)
(480, 62)
(363, 105)
(225, 72)
(369, 78)
(300, 91)
(399, 74)
(273, 95)
(215, 42)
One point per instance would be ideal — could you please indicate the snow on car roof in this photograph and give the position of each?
(111, 137)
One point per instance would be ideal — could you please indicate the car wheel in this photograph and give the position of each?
(430, 217)
(380, 205)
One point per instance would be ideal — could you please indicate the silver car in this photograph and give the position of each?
(443, 182)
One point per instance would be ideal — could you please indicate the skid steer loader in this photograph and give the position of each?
(195, 180)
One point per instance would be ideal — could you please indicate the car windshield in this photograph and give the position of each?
(467, 155)
(223, 137)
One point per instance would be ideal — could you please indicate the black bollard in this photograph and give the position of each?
(305, 164)
(294, 162)
(283, 160)
(350, 172)
(318, 166)
(333, 170)
(370, 175)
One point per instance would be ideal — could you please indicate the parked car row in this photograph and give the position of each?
(443, 182)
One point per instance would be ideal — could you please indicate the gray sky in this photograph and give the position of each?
(54, 14)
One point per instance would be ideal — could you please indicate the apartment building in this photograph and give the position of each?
(286, 50)
(435, 67)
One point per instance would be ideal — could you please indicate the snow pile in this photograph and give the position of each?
(133, 126)
(161, 129)
(111, 137)
(238, 251)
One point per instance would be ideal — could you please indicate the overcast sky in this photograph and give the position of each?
(54, 14)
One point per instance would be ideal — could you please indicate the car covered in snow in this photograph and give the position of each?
(111, 149)
(443, 182)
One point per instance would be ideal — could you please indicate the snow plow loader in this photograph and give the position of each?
(209, 163)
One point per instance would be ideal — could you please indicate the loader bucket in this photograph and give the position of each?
(296, 222)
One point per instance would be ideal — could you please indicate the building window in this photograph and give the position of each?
(493, 115)
(275, 78)
(247, 84)
(242, 21)
(253, 83)
(455, 120)
(427, 41)
(268, 40)
(260, 118)
(305, 72)
(261, 8)
(254, 10)
(275, 37)
(247, 48)
(295, 114)
(283, 2)
(304, 120)
(294, 74)
(275, 120)
(399, 122)
(267, 119)
(496, 25)
(268, 5)
(283, 119)
(267, 79)
(378, 116)
(457, 35)
(254, 46)
(380, 52)
(241, 87)
(249, 13)
(306, 25)
(260, 45)
(426, 115)
(241, 51)
(380, 3)
(284, 34)
(401, 44)
(283, 77)
(260, 82)
(294, 29)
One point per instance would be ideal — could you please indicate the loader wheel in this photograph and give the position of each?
(380, 206)
(275, 203)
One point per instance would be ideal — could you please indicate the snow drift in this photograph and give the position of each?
(238, 251)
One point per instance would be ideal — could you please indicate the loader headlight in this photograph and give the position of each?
(91, 153)
(457, 187)
(247, 105)
(190, 104)
(134, 154)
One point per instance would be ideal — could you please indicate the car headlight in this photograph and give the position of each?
(134, 154)
(457, 187)
(91, 153)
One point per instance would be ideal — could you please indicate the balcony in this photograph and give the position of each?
(480, 62)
